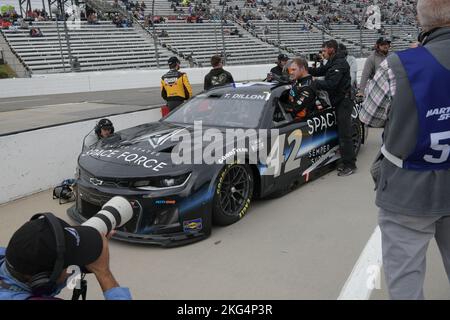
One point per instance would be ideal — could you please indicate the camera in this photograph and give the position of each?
(114, 213)
(316, 57)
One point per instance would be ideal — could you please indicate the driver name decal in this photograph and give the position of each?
(243, 96)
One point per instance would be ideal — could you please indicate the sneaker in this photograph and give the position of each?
(346, 172)
(340, 167)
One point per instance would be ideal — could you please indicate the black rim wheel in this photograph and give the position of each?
(235, 191)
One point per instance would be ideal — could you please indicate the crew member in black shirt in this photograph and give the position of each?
(217, 76)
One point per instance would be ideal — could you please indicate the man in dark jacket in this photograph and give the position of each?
(277, 71)
(337, 83)
(217, 76)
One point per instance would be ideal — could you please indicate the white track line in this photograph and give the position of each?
(365, 275)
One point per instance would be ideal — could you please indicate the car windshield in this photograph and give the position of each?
(227, 110)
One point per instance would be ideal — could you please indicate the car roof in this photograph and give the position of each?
(242, 88)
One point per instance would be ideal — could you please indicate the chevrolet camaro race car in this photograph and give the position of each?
(181, 180)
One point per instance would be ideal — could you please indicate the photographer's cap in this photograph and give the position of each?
(32, 248)
(382, 41)
(282, 57)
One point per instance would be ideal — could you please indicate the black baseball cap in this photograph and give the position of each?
(32, 248)
(282, 57)
(173, 60)
(382, 41)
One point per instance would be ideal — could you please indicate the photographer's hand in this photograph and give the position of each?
(100, 268)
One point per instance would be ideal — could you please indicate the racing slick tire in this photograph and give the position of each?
(357, 135)
(233, 194)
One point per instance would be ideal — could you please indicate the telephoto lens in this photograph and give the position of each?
(115, 213)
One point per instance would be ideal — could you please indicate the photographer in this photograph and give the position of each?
(337, 83)
(34, 265)
(373, 62)
(277, 71)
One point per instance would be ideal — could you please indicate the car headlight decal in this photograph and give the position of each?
(162, 182)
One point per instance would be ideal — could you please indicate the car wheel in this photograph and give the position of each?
(234, 191)
(357, 135)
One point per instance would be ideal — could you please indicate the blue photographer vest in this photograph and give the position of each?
(430, 83)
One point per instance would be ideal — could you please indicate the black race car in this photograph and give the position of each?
(178, 192)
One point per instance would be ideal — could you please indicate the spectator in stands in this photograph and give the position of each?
(148, 22)
(76, 65)
(190, 59)
(372, 63)
(278, 69)
(175, 86)
(337, 83)
(5, 24)
(163, 34)
(36, 32)
(92, 18)
(23, 24)
(235, 32)
(217, 76)
(117, 21)
(302, 95)
(351, 60)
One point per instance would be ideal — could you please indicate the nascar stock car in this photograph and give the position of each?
(176, 198)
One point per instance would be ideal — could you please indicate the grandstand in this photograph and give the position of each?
(100, 46)
(264, 30)
(203, 40)
(292, 36)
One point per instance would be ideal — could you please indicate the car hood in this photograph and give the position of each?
(141, 151)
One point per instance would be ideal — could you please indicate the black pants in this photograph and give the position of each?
(344, 123)
(174, 103)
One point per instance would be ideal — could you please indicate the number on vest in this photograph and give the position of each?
(435, 145)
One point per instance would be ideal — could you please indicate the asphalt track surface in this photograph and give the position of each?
(300, 246)
(130, 97)
(34, 112)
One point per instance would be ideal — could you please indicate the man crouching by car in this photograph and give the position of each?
(35, 264)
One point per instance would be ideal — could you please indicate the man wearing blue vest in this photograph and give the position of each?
(410, 97)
